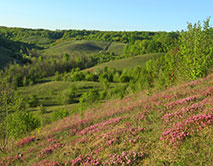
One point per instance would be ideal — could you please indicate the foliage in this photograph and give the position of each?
(60, 114)
(68, 96)
(42, 110)
(20, 123)
(32, 101)
(90, 97)
(103, 57)
(30, 74)
(196, 50)
(119, 91)
(10, 101)
(159, 43)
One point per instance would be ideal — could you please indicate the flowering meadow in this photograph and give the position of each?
(172, 127)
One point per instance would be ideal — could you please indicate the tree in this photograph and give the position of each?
(65, 57)
(14, 119)
(196, 50)
(9, 102)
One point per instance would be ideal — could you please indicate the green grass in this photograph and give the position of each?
(38, 40)
(127, 63)
(83, 47)
(117, 48)
(126, 128)
(76, 47)
(49, 93)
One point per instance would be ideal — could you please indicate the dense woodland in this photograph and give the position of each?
(171, 58)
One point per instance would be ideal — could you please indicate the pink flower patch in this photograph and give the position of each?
(27, 140)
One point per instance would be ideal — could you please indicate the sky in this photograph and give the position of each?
(109, 15)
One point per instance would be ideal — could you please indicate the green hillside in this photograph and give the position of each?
(127, 63)
(83, 47)
(39, 40)
(49, 93)
(161, 129)
(116, 48)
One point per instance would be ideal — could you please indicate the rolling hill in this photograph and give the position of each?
(171, 127)
(127, 63)
(82, 47)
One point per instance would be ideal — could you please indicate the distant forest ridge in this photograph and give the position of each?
(27, 35)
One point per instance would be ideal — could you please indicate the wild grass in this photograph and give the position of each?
(130, 131)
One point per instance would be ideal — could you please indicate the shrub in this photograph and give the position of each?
(90, 96)
(68, 96)
(20, 123)
(196, 50)
(32, 101)
(60, 114)
(119, 91)
(57, 76)
(42, 110)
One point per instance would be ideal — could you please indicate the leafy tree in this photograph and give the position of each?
(68, 96)
(32, 100)
(65, 57)
(40, 58)
(90, 97)
(60, 114)
(19, 123)
(9, 103)
(196, 50)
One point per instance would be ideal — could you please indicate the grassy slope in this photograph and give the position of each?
(49, 93)
(116, 47)
(173, 127)
(127, 63)
(82, 47)
(39, 40)
(73, 48)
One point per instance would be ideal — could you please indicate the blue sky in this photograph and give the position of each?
(128, 15)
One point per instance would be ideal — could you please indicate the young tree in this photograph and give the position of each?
(196, 50)
(65, 57)
(8, 102)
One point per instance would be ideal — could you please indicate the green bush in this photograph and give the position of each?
(196, 50)
(119, 91)
(57, 76)
(103, 94)
(32, 101)
(68, 96)
(60, 114)
(42, 110)
(90, 96)
(19, 123)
